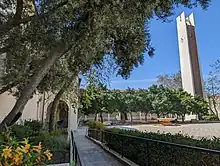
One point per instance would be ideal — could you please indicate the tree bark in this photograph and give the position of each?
(183, 118)
(53, 111)
(95, 119)
(122, 116)
(101, 117)
(214, 105)
(32, 85)
(158, 115)
(145, 116)
(210, 105)
(131, 117)
(126, 116)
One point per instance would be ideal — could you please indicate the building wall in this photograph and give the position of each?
(34, 109)
(31, 110)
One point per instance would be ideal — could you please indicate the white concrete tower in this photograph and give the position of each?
(189, 59)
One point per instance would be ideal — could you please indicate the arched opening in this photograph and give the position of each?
(61, 115)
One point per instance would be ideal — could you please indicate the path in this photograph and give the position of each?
(91, 154)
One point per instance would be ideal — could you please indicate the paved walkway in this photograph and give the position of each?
(91, 154)
(207, 130)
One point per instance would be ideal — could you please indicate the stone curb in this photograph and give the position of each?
(123, 160)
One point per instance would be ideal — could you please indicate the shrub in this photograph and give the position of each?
(34, 125)
(210, 117)
(142, 152)
(21, 131)
(54, 142)
(96, 125)
(28, 129)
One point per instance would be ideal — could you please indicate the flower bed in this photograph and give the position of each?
(22, 153)
(56, 142)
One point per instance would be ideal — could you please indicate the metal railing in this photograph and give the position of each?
(148, 152)
(76, 158)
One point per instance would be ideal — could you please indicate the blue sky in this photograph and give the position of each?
(164, 39)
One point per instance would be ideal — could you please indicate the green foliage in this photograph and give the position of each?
(20, 131)
(34, 125)
(53, 142)
(28, 129)
(96, 125)
(155, 99)
(212, 117)
(125, 39)
(139, 151)
(76, 35)
(56, 140)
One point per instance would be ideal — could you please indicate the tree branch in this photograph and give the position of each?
(19, 9)
(4, 50)
(4, 28)
(7, 87)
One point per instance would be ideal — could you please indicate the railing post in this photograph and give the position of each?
(102, 136)
(122, 147)
(148, 154)
(219, 159)
(110, 141)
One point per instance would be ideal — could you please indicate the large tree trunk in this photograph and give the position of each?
(53, 111)
(31, 86)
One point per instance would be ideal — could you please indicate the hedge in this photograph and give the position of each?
(155, 154)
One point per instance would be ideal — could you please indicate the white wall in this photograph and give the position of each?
(31, 110)
(184, 52)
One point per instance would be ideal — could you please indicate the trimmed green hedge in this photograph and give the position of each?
(155, 154)
(211, 117)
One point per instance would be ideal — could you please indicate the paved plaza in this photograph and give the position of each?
(196, 130)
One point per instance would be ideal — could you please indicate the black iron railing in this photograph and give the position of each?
(76, 157)
(148, 152)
